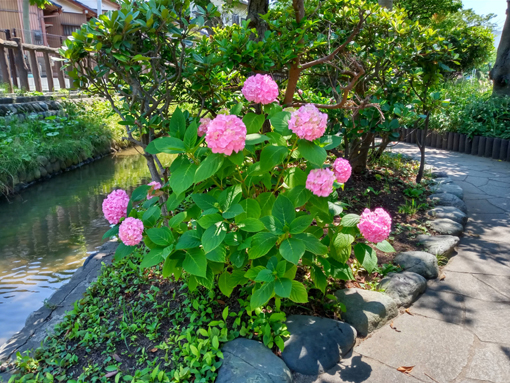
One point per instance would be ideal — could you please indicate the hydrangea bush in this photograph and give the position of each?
(242, 208)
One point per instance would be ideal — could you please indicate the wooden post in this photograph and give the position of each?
(20, 65)
(35, 70)
(5, 69)
(49, 71)
(60, 74)
(10, 52)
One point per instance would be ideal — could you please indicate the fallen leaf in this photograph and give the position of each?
(117, 358)
(405, 369)
(394, 328)
(110, 374)
(221, 302)
(153, 349)
(408, 312)
(442, 277)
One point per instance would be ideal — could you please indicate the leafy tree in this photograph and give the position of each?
(423, 10)
(500, 74)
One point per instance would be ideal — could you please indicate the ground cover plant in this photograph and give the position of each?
(83, 130)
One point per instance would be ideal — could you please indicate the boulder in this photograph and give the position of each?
(447, 199)
(442, 181)
(456, 190)
(316, 344)
(418, 262)
(43, 171)
(439, 174)
(438, 244)
(448, 212)
(446, 226)
(366, 310)
(43, 161)
(249, 361)
(404, 287)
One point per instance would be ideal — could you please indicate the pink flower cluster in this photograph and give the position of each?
(320, 182)
(115, 206)
(130, 231)
(261, 89)
(155, 186)
(342, 169)
(202, 128)
(308, 122)
(375, 226)
(226, 134)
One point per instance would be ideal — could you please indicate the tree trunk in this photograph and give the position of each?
(27, 33)
(255, 9)
(500, 74)
(420, 140)
(359, 157)
(386, 4)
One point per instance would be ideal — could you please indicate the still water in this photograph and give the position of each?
(47, 232)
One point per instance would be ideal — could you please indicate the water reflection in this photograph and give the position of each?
(49, 229)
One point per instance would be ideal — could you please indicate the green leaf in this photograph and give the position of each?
(273, 224)
(169, 145)
(253, 122)
(264, 275)
(174, 200)
(335, 209)
(366, 256)
(204, 201)
(233, 211)
(208, 220)
(262, 295)
(300, 224)
(312, 244)
(284, 210)
(255, 138)
(177, 124)
(280, 122)
(183, 177)
(251, 209)
(188, 240)
(283, 287)
(331, 142)
(298, 293)
(112, 232)
(252, 225)
(213, 236)
(123, 251)
(294, 177)
(151, 216)
(225, 284)
(341, 270)
(230, 196)
(190, 137)
(161, 236)
(140, 193)
(209, 167)
(153, 258)
(177, 219)
(385, 247)
(238, 258)
(299, 195)
(341, 247)
(311, 152)
(173, 265)
(350, 220)
(266, 202)
(253, 272)
(217, 255)
(236, 158)
(195, 262)
(261, 244)
(292, 250)
(272, 156)
(319, 278)
(236, 109)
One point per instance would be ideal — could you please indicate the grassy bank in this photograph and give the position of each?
(88, 129)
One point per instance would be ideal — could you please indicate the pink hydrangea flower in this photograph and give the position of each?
(115, 206)
(308, 122)
(155, 186)
(226, 134)
(300, 92)
(342, 169)
(202, 128)
(260, 88)
(130, 231)
(375, 226)
(320, 182)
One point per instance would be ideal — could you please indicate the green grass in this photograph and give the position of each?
(87, 129)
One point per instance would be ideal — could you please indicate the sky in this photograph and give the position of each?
(484, 7)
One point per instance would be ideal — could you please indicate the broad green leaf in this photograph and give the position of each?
(176, 220)
(213, 236)
(238, 258)
(280, 122)
(252, 225)
(150, 217)
(253, 272)
(233, 211)
(283, 287)
(225, 285)
(261, 244)
(294, 177)
(366, 256)
(255, 138)
(173, 266)
(341, 247)
(311, 152)
(188, 240)
(341, 270)
(350, 220)
(298, 293)
(208, 220)
(251, 209)
(262, 295)
(330, 142)
(204, 201)
(292, 250)
(300, 224)
(123, 251)
(264, 275)
(312, 243)
(319, 278)
(112, 232)
(195, 262)
(273, 224)
(140, 193)
(236, 158)
(284, 210)
(253, 122)
(208, 280)
(385, 247)
(161, 236)
(236, 109)
(183, 177)
(272, 156)
(169, 145)
(174, 200)
(217, 255)
(153, 258)
(230, 196)
(266, 202)
(190, 137)
(299, 195)
(209, 167)
(177, 124)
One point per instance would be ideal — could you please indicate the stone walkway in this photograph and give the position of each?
(459, 330)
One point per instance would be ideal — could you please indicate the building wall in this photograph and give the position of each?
(11, 17)
(62, 25)
(229, 17)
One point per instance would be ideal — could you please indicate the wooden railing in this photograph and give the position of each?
(13, 66)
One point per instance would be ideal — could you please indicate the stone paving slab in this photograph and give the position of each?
(440, 305)
(491, 362)
(474, 262)
(489, 321)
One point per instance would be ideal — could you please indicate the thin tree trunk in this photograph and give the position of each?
(255, 9)
(420, 141)
(500, 74)
(360, 156)
(27, 33)
(386, 4)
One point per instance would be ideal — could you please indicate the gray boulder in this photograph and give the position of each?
(404, 287)
(447, 199)
(439, 174)
(249, 361)
(438, 244)
(456, 190)
(316, 344)
(442, 181)
(366, 310)
(418, 262)
(446, 226)
(448, 212)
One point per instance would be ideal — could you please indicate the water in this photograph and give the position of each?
(47, 232)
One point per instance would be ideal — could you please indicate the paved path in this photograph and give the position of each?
(460, 330)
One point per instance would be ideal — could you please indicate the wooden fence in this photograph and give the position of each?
(14, 69)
